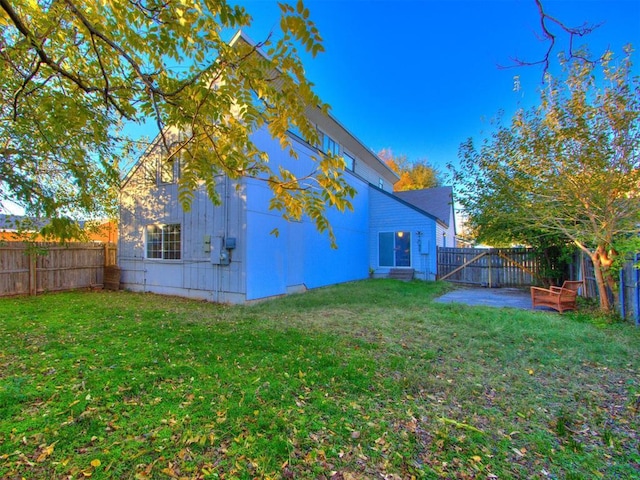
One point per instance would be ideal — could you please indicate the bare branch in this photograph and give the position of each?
(546, 23)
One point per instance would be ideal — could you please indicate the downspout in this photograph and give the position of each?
(225, 231)
(622, 295)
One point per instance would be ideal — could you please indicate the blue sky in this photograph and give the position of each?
(421, 76)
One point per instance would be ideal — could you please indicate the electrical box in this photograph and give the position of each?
(225, 258)
(230, 243)
(216, 247)
(207, 244)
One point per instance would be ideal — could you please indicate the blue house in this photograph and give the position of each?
(227, 254)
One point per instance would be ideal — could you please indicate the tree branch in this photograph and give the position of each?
(546, 22)
(44, 57)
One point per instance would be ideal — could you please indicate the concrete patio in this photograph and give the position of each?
(490, 297)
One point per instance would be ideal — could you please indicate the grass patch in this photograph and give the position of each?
(365, 380)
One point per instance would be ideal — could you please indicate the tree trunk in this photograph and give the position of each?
(602, 262)
(605, 305)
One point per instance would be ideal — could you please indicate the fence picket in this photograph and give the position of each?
(28, 269)
(513, 267)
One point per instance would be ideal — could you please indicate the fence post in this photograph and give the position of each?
(622, 295)
(636, 291)
(33, 285)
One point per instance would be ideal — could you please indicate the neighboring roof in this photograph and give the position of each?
(10, 223)
(404, 202)
(435, 201)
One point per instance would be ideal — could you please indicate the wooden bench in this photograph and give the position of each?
(405, 274)
(559, 298)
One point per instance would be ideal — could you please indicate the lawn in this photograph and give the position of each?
(365, 380)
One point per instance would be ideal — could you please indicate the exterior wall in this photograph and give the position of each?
(445, 236)
(388, 214)
(262, 264)
(197, 273)
(300, 257)
(368, 166)
(451, 230)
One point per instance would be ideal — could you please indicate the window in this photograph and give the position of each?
(394, 249)
(169, 166)
(349, 161)
(328, 145)
(164, 241)
(150, 170)
(167, 170)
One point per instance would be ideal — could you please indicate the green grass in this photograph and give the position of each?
(366, 380)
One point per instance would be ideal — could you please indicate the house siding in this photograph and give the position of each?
(446, 235)
(367, 165)
(265, 264)
(300, 257)
(262, 264)
(389, 214)
(195, 275)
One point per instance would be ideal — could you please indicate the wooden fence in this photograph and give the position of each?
(31, 268)
(494, 267)
(630, 290)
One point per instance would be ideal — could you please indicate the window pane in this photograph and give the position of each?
(385, 249)
(349, 161)
(329, 145)
(154, 242)
(171, 242)
(403, 249)
(164, 242)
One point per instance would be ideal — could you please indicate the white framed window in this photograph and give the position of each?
(349, 160)
(164, 241)
(394, 249)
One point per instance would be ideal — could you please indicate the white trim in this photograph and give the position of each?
(161, 259)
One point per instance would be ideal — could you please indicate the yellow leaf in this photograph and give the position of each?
(46, 452)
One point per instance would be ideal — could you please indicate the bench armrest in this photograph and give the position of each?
(544, 291)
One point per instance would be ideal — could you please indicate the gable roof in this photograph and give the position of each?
(436, 201)
(325, 121)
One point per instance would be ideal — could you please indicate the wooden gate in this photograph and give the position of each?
(489, 267)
